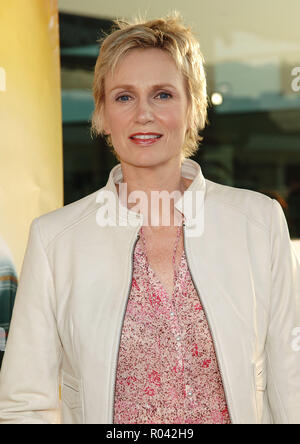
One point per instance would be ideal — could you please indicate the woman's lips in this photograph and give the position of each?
(145, 139)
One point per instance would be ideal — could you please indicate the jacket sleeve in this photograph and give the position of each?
(29, 377)
(283, 338)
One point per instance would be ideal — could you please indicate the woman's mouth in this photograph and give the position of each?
(145, 139)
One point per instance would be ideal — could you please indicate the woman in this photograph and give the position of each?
(193, 320)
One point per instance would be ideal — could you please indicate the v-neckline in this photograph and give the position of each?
(155, 275)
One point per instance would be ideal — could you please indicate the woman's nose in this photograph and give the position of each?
(144, 112)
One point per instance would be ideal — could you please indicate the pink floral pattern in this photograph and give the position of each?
(167, 369)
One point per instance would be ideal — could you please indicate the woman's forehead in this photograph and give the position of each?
(141, 55)
(145, 65)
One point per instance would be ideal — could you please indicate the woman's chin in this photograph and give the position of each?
(146, 160)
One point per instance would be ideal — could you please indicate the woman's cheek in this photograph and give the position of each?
(173, 119)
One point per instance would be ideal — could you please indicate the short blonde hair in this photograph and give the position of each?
(168, 34)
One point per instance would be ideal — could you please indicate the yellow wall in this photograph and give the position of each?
(31, 168)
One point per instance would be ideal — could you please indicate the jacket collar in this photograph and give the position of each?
(190, 204)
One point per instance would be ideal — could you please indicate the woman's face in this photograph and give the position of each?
(147, 98)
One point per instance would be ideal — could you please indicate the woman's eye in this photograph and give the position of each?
(126, 97)
(123, 98)
(164, 95)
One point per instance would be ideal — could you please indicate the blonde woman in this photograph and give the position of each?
(193, 320)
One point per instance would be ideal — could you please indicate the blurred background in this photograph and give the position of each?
(252, 54)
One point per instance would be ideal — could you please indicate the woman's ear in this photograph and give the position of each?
(105, 127)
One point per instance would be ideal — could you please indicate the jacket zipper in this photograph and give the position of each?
(211, 332)
(120, 333)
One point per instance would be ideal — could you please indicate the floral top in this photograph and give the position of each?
(167, 369)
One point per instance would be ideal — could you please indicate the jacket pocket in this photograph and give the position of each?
(71, 399)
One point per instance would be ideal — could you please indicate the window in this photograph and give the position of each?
(253, 138)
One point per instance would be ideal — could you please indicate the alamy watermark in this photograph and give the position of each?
(296, 81)
(2, 79)
(296, 341)
(157, 212)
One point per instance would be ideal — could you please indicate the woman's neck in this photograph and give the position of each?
(155, 203)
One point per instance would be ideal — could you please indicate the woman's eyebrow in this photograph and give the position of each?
(164, 85)
(132, 87)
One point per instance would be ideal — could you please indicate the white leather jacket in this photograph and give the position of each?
(72, 296)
